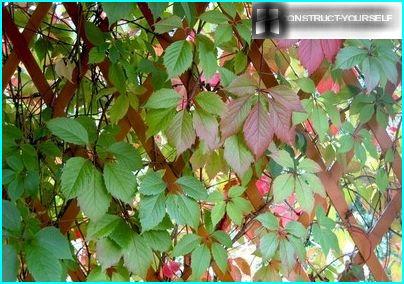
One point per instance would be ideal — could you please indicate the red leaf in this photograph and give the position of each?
(327, 84)
(282, 103)
(310, 54)
(263, 185)
(257, 130)
(334, 130)
(170, 268)
(285, 43)
(286, 213)
(330, 48)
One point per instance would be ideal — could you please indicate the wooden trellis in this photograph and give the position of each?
(365, 242)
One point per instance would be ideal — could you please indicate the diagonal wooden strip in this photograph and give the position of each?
(29, 32)
(21, 49)
(383, 224)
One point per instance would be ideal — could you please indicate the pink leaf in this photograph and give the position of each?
(170, 268)
(282, 103)
(234, 116)
(330, 48)
(286, 43)
(310, 54)
(263, 185)
(257, 130)
(207, 128)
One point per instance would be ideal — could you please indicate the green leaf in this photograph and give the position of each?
(236, 191)
(283, 158)
(346, 144)
(314, 183)
(306, 84)
(29, 157)
(223, 34)
(94, 34)
(207, 58)
(127, 155)
(117, 12)
(210, 102)
(192, 187)
(304, 196)
(296, 229)
(181, 133)
(178, 58)
(96, 55)
(219, 256)
(167, 24)
(152, 183)
(102, 227)
(269, 221)
(121, 233)
(287, 254)
(138, 256)
(326, 238)
(157, 8)
(237, 155)
(11, 218)
(218, 212)
(320, 122)
(10, 263)
(182, 209)
(283, 186)
(163, 99)
(349, 57)
(186, 245)
(214, 17)
(298, 246)
(244, 30)
(108, 253)
(98, 275)
(75, 176)
(68, 130)
(234, 213)
(119, 181)
(269, 244)
(309, 165)
(229, 8)
(119, 108)
(366, 113)
(42, 265)
(158, 120)
(382, 180)
(151, 211)
(360, 153)
(117, 77)
(371, 72)
(158, 240)
(89, 124)
(222, 238)
(93, 198)
(51, 238)
(200, 261)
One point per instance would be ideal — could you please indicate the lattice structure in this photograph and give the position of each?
(365, 242)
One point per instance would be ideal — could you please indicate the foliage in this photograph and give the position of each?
(166, 154)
